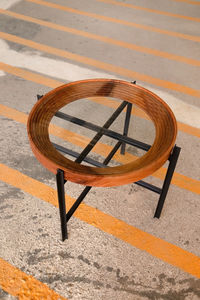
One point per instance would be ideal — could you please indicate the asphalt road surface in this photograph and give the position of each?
(116, 249)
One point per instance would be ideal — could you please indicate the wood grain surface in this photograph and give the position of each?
(158, 111)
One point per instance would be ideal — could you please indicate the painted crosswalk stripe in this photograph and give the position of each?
(179, 180)
(23, 286)
(144, 241)
(117, 21)
(107, 102)
(188, 1)
(60, 69)
(102, 65)
(104, 39)
(149, 10)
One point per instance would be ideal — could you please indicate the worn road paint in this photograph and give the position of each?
(184, 112)
(157, 247)
(140, 113)
(113, 20)
(188, 1)
(102, 65)
(179, 180)
(118, 43)
(39, 79)
(155, 11)
(34, 61)
(23, 286)
(5, 4)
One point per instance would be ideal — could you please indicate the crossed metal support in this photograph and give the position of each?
(122, 140)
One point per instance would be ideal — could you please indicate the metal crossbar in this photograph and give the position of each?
(122, 139)
(107, 132)
(100, 133)
(88, 188)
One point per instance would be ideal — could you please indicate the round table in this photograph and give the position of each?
(158, 111)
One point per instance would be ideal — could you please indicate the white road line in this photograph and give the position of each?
(34, 61)
(5, 4)
(184, 112)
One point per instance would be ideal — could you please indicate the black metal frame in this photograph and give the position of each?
(122, 140)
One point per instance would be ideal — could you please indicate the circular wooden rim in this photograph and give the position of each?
(159, 112)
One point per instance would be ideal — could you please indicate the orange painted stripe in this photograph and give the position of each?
(179, 180)
(34, 77)
(189, 129)
(114, 20)
(188, 1)
(69, 136)
(103, 39)
(155, 11)
(108, 102)
(101, 65)
(23, 286)
(139, 113)
(144, 241)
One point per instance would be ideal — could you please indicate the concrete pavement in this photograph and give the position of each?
(142, 257)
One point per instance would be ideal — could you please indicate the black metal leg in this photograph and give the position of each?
(61, 199)
(88, 188)
(39, 96)
(170, 171)
(126, 126)
(122, 141)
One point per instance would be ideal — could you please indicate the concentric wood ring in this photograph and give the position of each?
(156, 109)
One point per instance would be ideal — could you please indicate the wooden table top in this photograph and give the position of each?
(158, 111)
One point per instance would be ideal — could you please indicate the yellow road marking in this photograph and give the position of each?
(179, 180)
(23, 286)
(108, 102)
(189, 129)
(107, 40)
(101, 65)
(188, 1)
(157, 247)
(69, 136)
(139, 113)
(34, 77)
(114, 20)
(159, 12)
